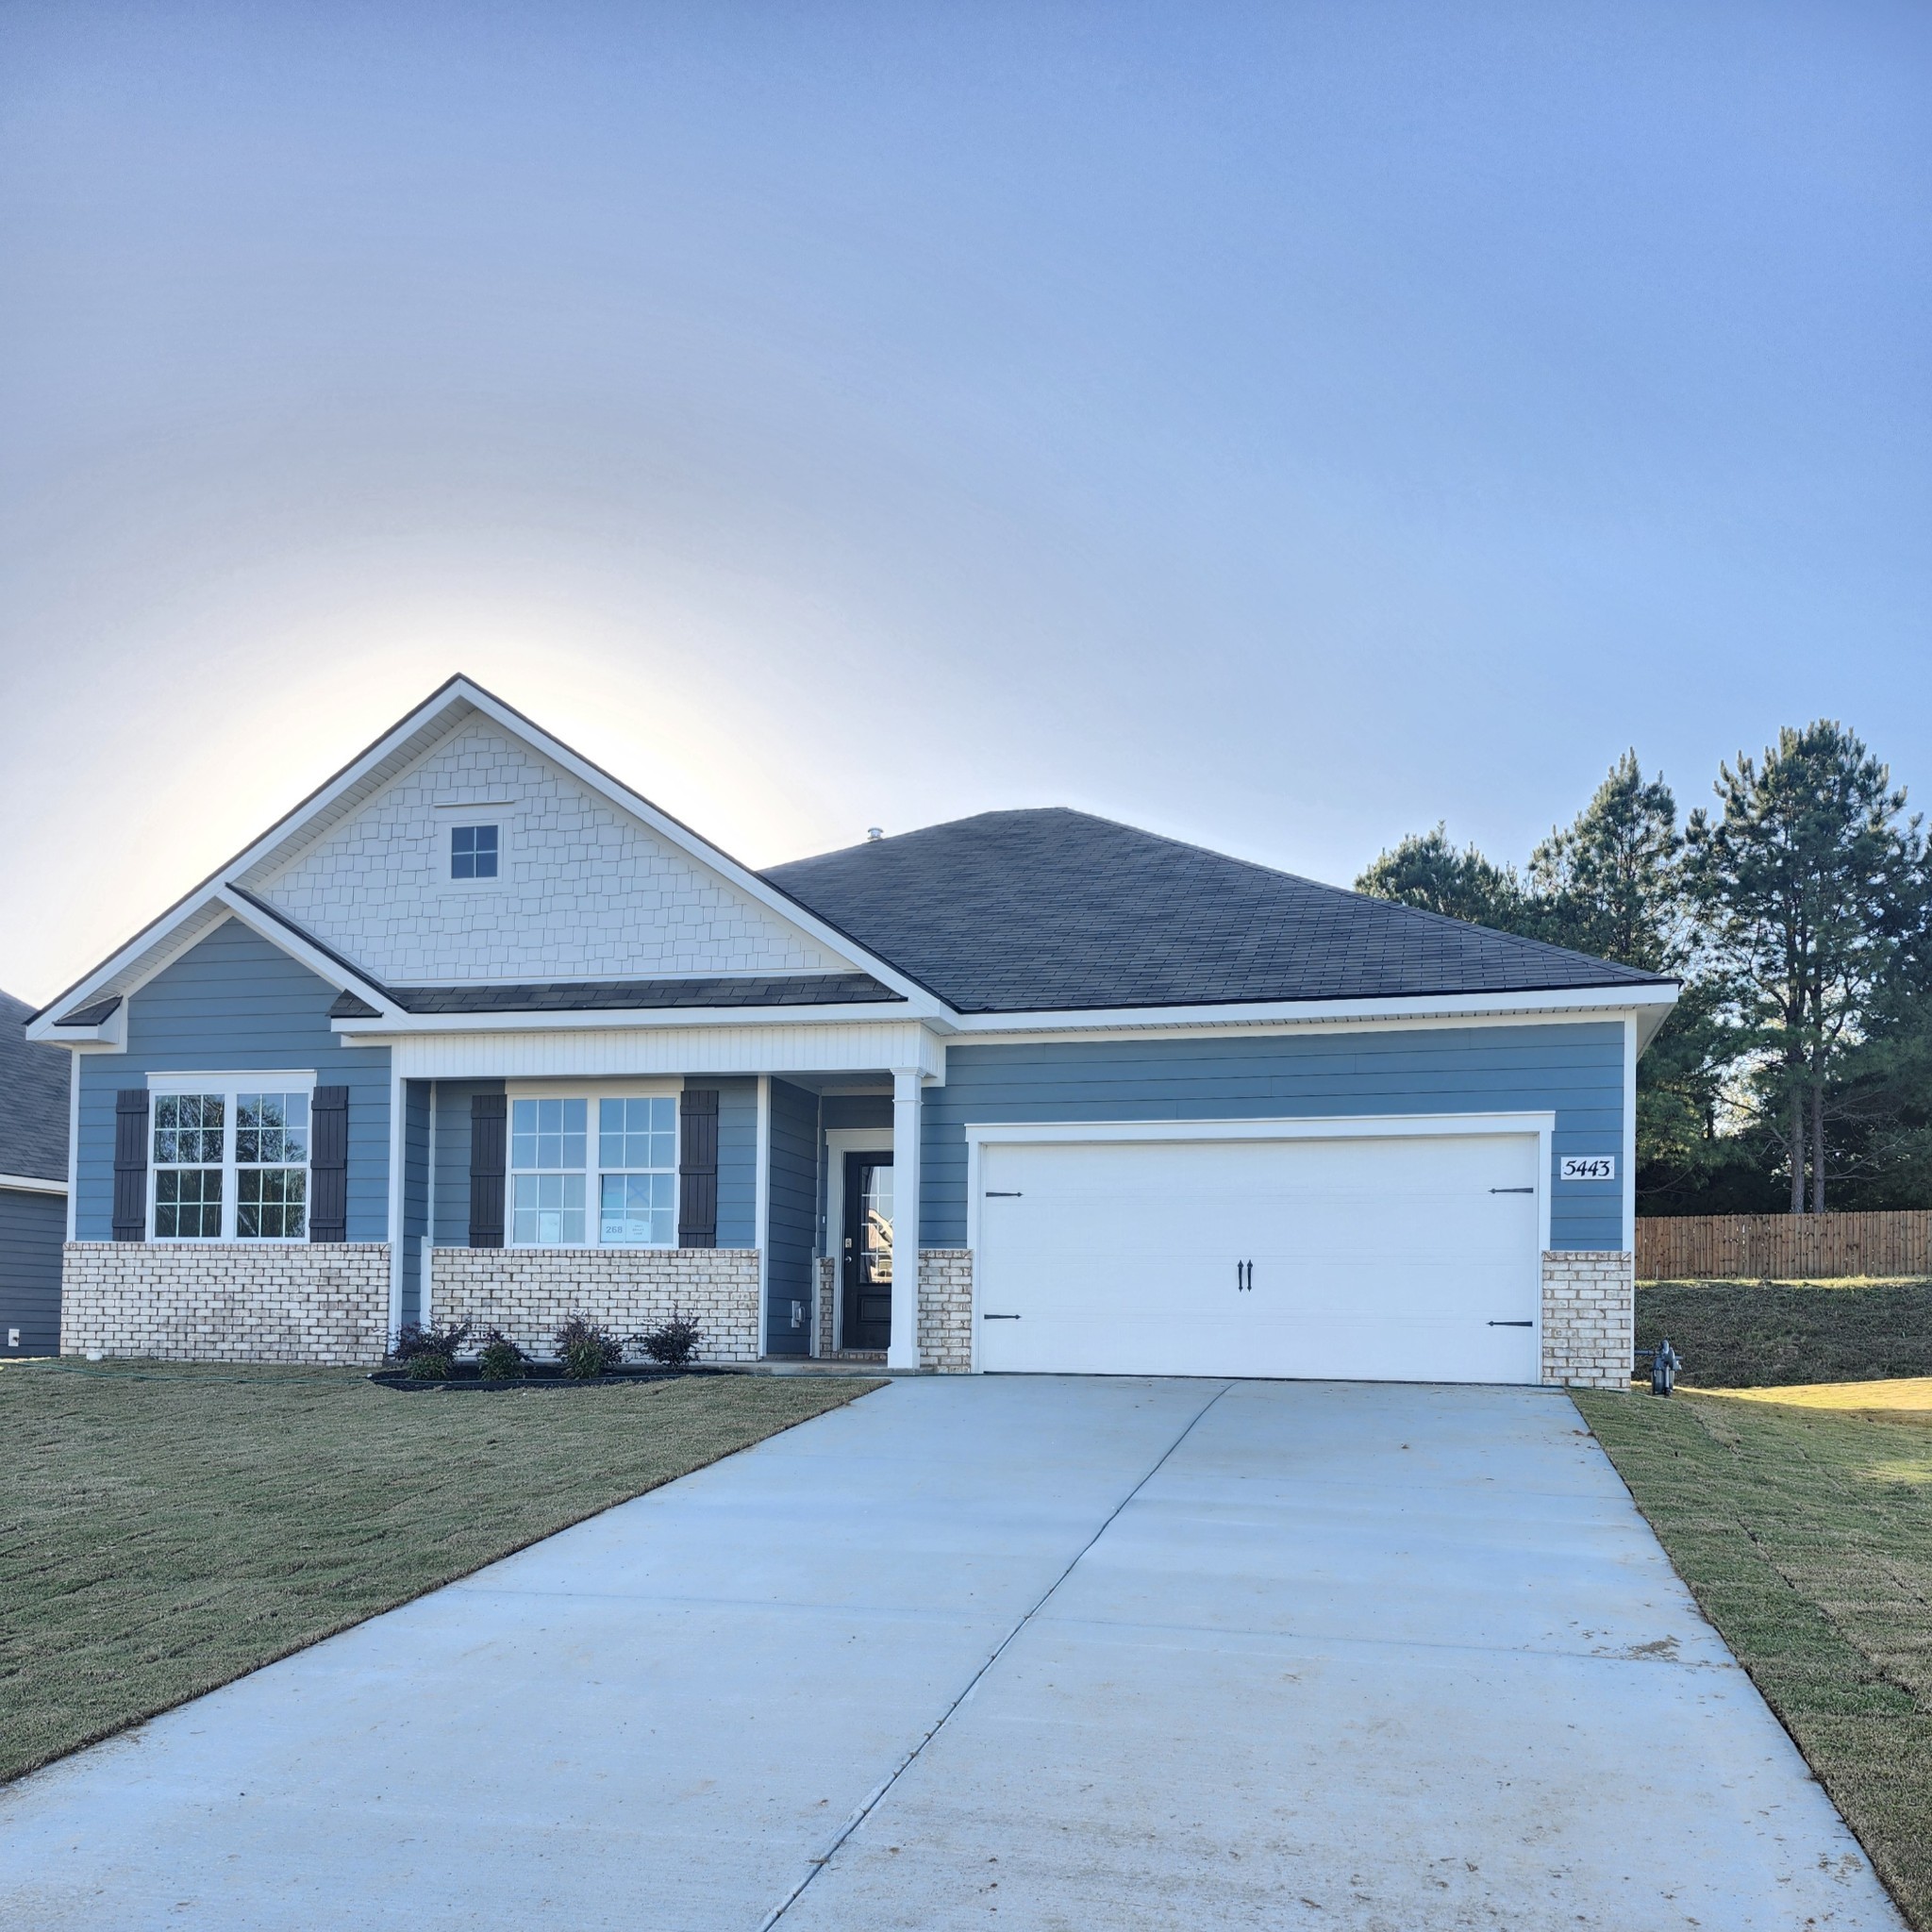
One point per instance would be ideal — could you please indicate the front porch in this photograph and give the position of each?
(774, 1213)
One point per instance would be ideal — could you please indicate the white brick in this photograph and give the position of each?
(1590, 1317)
(323, 1303)
(530, 1292)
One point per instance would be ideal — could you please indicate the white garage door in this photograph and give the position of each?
(1411, 1258)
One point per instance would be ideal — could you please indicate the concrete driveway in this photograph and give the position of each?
(1072, 1653)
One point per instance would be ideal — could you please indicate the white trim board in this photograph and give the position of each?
(31, 1184)
(1651, 1004)
(270, 1080)
(839, 1141)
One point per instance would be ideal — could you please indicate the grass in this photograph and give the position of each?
(1746, 1334)
(167, 1526)
(1806, 1536)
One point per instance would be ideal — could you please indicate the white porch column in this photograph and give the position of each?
(904, 1352)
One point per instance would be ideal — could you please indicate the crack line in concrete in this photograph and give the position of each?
(871, 1801)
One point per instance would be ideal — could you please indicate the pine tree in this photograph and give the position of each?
(1803, 883)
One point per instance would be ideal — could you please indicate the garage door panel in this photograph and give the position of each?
(1390, 1259)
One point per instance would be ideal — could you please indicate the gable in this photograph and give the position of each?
(584, 890)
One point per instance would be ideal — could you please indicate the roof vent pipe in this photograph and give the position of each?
(872, 832)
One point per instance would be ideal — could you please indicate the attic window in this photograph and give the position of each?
(472, 852)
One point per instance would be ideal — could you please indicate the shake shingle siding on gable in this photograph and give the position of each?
(1055, 910)
(1576, 1070)
(231, 1003)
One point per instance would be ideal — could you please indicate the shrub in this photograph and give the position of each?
(586, 1350)
(674, 1343)
(427, 1366)
(502, 1360)
(414, 1341)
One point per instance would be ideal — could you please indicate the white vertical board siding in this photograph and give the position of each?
(593, 1051)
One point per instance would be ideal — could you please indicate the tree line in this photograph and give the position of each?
(1796, 1070)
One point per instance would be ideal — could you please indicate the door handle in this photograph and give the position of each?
(1243, 1277)
(1003, 1193)
(1512, 1191)
(1512, 1324)
(999, 1318)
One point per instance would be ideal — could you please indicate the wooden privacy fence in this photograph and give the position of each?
(1783, 1247)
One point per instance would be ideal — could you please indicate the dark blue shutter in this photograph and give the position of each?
(488, 1126)
(130, 1164)
(328, 1164)
(697, 1168)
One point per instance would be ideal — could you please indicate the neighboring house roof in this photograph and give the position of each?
(33, 1099)
(624, 996)
(1057, 910)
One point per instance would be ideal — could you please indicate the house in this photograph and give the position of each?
(477, 1033)
(34, 1082)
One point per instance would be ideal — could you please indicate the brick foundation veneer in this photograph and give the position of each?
(945, 1310)
(528, 1292)
(828, 1323)
(1590, 1317)
(323, 1303)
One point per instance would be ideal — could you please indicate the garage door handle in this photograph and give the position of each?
(999, 1318)
(1512, 1191)
(1512, 1324)
(1003, 1193)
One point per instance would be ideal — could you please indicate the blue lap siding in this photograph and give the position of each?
(1574, 1071)
(737, 1161)
(32, 1226)
(231, 1004)
(792, 1221)
(449, 1189)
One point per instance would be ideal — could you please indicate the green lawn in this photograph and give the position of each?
(1807, 1537)
(167, 1526)
(1745, 1334)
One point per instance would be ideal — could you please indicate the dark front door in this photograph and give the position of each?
(868, 1251)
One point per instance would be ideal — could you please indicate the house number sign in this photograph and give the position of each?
(1587, 1167)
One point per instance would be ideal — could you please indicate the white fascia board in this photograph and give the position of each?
(1581, 1003)
(375, 1032)
(31, 1184)
(692, 845)
(1354, 1126)
(106, 1036)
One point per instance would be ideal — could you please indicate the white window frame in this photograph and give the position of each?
(229, 1086)
(502, 813)
(593, 1093)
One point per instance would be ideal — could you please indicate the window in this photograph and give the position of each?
(231, 1164)
(190, 1131)
(472, 852)
(633, 1179)
(546, 1157)
(636, 1160)
(271, 1166)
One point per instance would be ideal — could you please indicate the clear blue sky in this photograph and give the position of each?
(1279, 426)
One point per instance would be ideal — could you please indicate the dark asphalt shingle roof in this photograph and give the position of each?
(1055, 910)
(33, 1099)
(609, 996)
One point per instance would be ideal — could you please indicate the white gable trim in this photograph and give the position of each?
(415, 734)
